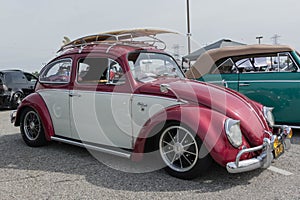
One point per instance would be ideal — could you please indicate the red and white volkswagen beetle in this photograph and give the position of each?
(113, 93)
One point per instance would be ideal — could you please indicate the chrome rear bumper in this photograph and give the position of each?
(13, 116)
(265, 158)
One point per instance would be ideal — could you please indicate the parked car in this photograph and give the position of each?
(268, 74)
(14, 86)
(115, 93)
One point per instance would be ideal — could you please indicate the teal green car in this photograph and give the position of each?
(268, 74)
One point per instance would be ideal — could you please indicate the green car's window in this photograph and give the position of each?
(281, 62)
(227, 67)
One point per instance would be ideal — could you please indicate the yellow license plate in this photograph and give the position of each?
(278, 151)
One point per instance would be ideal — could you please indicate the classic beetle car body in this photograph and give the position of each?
(113, 94)
(268, 74)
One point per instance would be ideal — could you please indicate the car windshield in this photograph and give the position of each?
(147, 67)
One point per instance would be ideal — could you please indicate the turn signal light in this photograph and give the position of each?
(290, 134)
(276, 143)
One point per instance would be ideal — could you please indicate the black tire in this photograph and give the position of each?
(31, 128)
(182, 152)
(16, 100)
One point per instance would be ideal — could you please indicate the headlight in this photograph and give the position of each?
(233, 132)
(269, 115)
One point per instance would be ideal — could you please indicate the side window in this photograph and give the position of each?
(30, 77)
(227, 67)
(285, 63)
(252, 64)
(116, 74)
(245, 65)
(99, 71)
(281, 62)
(57, 72)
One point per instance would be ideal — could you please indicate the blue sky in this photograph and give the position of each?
(32, 30)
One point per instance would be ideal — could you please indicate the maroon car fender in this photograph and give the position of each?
(206, 123)
(36, 102)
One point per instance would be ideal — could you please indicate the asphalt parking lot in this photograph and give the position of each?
(60, 171)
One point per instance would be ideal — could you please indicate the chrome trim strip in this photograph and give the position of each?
(293, 127)
(249, 105)
(113, 93)
(259, 81)
(87, 146)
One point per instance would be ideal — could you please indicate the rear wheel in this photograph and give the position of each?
(32, 129)
(183, 153)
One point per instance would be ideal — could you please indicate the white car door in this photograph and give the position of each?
(99, 113)
(56, 78)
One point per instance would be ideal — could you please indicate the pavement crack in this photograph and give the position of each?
(66, 180)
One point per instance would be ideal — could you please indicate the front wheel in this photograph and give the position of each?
(183, 153)
(32, 129)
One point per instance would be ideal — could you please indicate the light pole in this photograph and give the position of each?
(259, 38)
(188, 25)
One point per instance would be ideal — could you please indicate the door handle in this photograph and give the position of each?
(74, 94)
(225, 84)
(244, 84)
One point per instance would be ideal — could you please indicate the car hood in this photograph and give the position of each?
(222, 100)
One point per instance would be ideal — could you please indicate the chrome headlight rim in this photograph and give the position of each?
(233, 132)
(268, 114)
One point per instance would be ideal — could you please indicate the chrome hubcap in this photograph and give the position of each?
(178, 148)
(32, 125)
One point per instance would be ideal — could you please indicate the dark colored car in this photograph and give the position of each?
(14, 86)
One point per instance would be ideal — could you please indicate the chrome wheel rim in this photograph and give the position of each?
(178, 148)
(32, 125)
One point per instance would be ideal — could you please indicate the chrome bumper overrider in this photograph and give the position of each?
(265, 158)
(13, 116)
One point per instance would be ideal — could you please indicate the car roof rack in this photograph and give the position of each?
(131, 37)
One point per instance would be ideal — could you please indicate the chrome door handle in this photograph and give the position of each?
(74, 94)
(225, 84)
(244, 84)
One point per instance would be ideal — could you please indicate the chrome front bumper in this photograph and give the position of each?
(265, 158)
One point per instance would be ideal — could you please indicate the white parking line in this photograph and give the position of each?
(280, 171)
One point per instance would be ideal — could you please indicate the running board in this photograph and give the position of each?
(92, 147)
